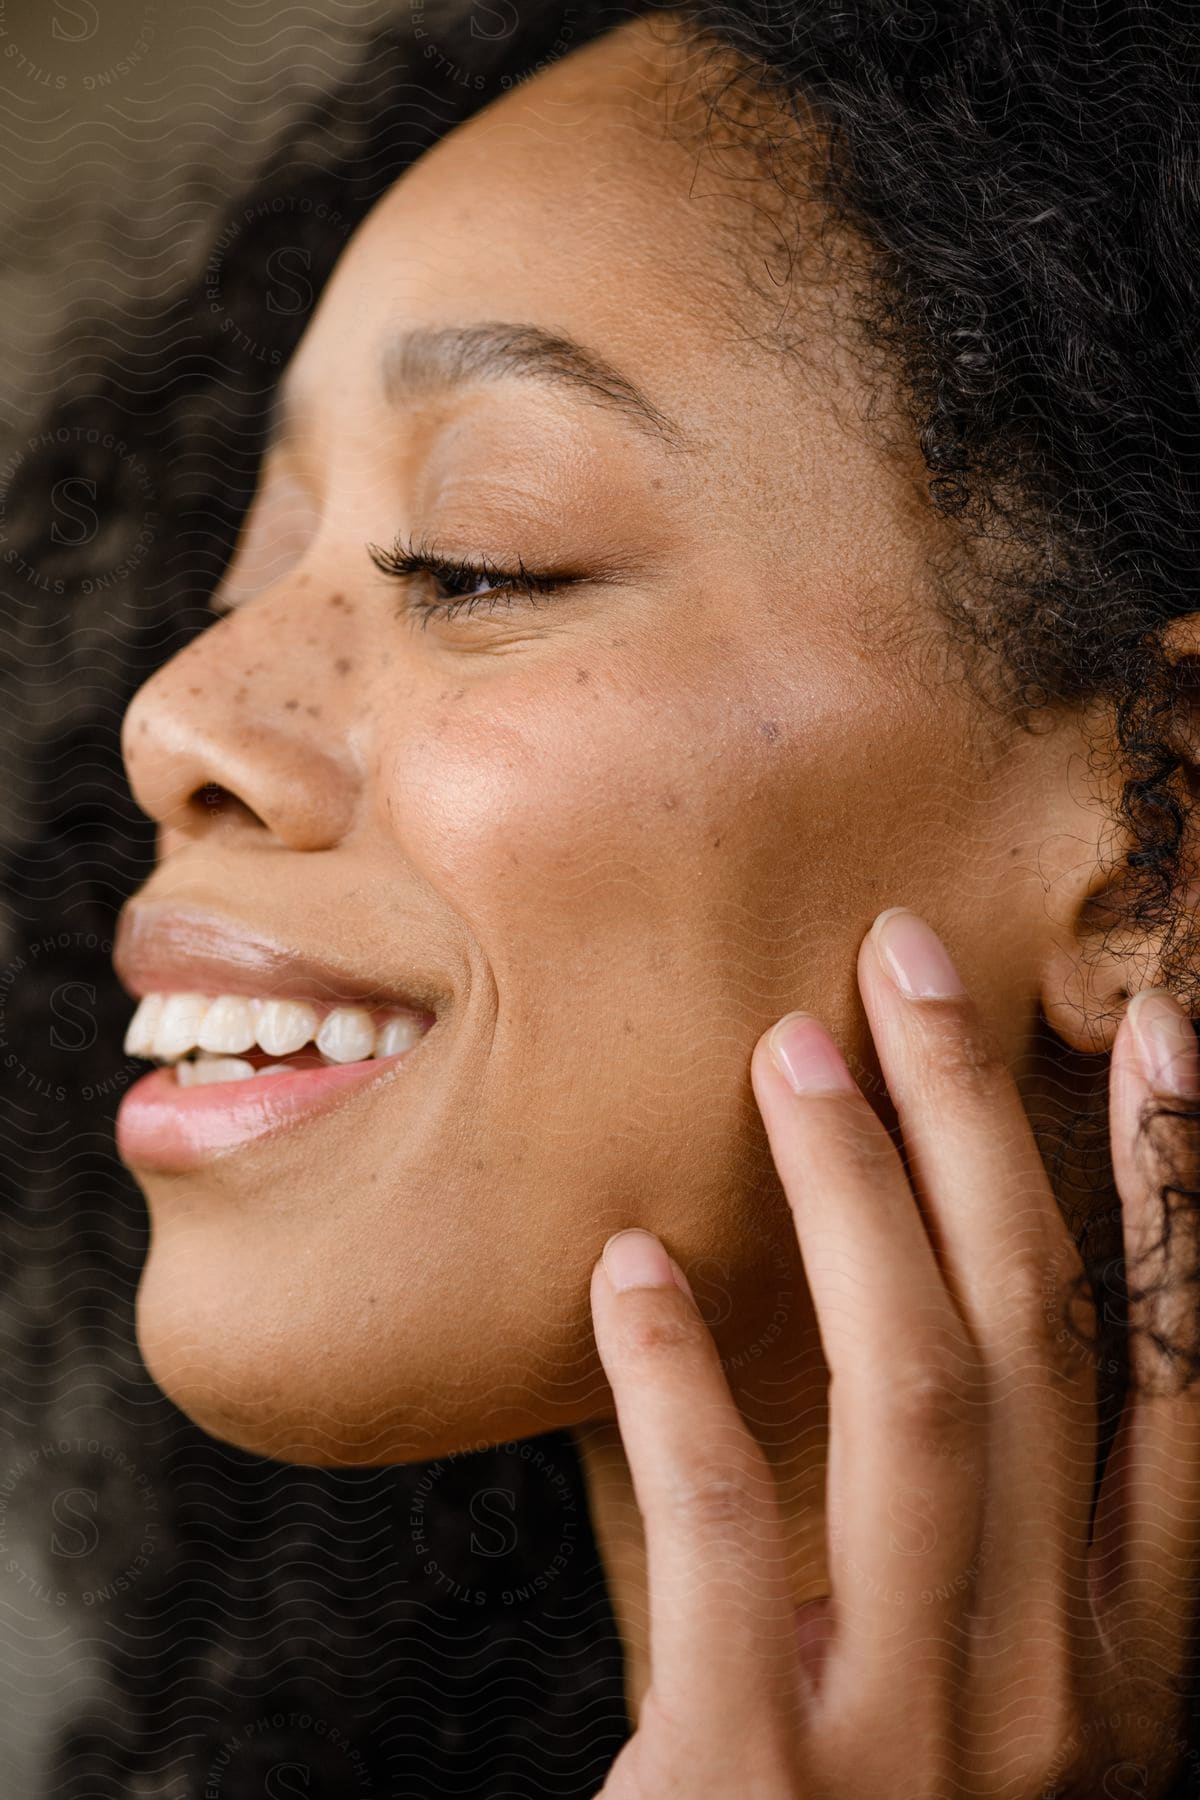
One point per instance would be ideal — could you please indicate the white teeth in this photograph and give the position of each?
(178, 1027)
(397, 1035)
(276, 1069)
(139, 1038)
(167, 1027)
(347, 1034)
(285, 1025)
(228, 1025)
(208, 1069)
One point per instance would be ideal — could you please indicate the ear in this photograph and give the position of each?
(1097, 959)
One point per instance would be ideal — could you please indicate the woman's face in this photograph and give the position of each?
(608, 833)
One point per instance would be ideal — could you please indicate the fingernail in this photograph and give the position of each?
(636, 1259)
(1166, 1042)
(915, 957)
(806, 1056)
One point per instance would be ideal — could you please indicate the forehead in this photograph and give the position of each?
(591, 201)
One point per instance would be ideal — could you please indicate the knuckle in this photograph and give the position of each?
(934, 1395)
(848, 1120)
(960, 1051)
(1022, 1290)
(657, 1326)
(709, 1499)
(728, 1494)
(852, 1137)
(1036, 1297)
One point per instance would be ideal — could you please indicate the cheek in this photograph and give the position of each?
(688, 847)
(556, 821)
(672, 834)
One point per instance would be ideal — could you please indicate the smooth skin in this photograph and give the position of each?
(623, 828)
(976, 1642)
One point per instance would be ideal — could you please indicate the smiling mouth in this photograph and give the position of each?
(233, 1064)
(201, 1103)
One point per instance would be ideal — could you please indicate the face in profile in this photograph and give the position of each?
(578, 697)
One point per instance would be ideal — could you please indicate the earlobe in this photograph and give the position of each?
(1091, 960)
(1098, 958)
(1087, 981)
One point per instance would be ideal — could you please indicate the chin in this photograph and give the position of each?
(284, 1361)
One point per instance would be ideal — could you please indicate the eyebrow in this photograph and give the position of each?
(426, 361)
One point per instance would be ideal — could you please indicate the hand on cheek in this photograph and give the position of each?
(1002, 1651)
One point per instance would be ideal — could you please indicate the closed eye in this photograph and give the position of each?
(439, 586)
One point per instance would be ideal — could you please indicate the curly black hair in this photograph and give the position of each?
(1026, 178)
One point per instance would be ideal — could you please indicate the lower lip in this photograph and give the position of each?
(161, 1125)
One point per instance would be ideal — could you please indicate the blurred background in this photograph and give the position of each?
(124, 123)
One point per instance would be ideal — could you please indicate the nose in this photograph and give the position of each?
(238, 727)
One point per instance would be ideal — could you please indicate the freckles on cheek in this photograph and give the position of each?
(559, 806)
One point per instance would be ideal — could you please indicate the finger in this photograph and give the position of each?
(904, 1483)
(721, 1647)
(1012, 1267)
(1147, 1538)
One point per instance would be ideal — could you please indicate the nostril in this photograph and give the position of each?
(211, 798)
(212, 801)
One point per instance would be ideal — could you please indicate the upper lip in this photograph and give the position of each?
(173, 949)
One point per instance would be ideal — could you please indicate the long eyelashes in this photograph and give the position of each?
(418, 566)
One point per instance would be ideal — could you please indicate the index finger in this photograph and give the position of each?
(721, 1646)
